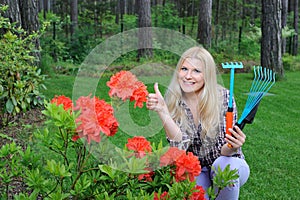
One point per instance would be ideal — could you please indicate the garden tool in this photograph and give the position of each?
(263, 80)
(229, 114)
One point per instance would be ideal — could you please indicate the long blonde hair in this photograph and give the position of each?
(208, 104)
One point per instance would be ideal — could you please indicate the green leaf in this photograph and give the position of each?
(36, 180)
(57, 169)
(108, 170)
(9, 106)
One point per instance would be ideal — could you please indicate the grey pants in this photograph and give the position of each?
(229, 193)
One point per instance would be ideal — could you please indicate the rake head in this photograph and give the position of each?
(263, 80)
(231, 65)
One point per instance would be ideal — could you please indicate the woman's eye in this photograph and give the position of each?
(183, 68)
(197, 71)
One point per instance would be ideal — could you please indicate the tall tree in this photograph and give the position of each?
(284, 14)
(145, 34)
(204, 23)
(295, 25)
(216, 21)
(74, 16)
(271, 54)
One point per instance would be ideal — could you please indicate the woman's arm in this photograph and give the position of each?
(238, 137)
(157, 103)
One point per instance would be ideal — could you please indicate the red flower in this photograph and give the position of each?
(75, 138)
(171, 156)
(198, 193)
(163, 196)
(187, 166)
(96, 116)
(125, 85)
(139, 95)
(140, 145)
(65, 101)
(148, 176)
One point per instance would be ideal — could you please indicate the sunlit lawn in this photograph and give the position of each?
(273, 140)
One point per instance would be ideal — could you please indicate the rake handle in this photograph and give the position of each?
(229, 122)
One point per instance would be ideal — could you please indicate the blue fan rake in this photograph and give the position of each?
(263, 80)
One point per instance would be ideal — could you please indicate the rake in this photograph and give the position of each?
(263, 80)
(229, 113)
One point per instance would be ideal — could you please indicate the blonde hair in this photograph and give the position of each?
(208, 104)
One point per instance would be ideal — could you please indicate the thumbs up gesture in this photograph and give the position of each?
(156, 101)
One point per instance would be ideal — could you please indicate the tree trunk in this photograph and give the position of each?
(74, 16)
(271, 54)
(13, 12)
(216, 23)
(122, 12)
(295, 37)
(284, 22)
(243, 24)
(193, 17)
(145, 34)
(204, 23)
(30, 21)
(117, 10)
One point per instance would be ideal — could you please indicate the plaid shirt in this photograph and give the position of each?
(207, 149)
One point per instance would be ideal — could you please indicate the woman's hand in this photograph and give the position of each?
(156, 101)
(237, 139)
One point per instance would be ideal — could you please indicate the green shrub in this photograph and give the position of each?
(20, 80)
(291, 63)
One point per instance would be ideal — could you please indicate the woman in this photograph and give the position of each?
(193, 115)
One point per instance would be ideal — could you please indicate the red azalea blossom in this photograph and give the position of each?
(65, 101)
(187, 165)
(198, 193)
(139, 95)
(122, 85)
(125, 85)
(96, 116)
(140, 145)
(171, 156)
(163, 196)
(148, 176)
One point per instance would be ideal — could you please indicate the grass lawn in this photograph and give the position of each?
(272, 146)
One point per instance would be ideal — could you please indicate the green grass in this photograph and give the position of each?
(273, 140)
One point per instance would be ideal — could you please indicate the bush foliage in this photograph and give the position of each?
(20, 80)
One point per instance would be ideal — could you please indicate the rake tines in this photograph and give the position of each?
(263, 80)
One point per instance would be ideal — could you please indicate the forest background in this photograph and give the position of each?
(63, 33)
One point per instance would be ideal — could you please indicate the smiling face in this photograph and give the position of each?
(190, 76)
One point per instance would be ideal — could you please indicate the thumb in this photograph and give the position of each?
(157, 92)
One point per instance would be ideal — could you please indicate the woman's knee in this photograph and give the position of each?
(234, 163)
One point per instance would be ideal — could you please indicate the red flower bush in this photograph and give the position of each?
(125, 85)
(65, 101)
(94, 116)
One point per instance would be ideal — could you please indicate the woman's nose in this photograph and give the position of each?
(188, 74)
